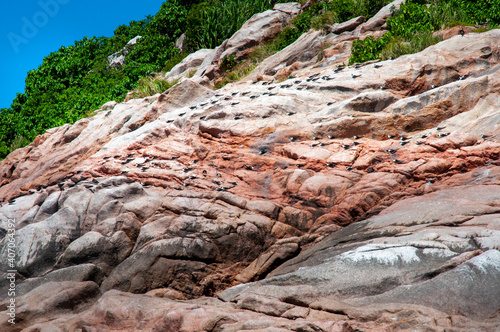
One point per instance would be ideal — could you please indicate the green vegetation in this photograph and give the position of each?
(411, 28)
(151, 85)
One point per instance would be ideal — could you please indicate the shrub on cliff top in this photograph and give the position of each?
(410, 29)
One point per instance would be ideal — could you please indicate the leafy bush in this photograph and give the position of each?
(411, 28)
(369, 48)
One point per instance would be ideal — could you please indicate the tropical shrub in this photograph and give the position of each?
(411, 28)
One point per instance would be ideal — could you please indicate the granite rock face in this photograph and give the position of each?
(362, 198)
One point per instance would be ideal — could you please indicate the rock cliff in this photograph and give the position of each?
(310, 196)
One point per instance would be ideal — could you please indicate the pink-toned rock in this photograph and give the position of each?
(326, 191)
(350, 25)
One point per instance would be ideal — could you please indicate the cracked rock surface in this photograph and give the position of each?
(364, 197)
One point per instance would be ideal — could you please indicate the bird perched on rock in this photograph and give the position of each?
(461, 32)
(355, 75)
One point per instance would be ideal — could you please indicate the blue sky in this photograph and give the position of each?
(32, 29)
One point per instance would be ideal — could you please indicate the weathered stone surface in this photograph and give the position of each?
(273, 257)
(364, 198)
(117, 59)
(49, 301)
(291, 8)
(189, 65)
(378, 19)
(303, 49)
(76, 273)
(350, 25)
(109, 105)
